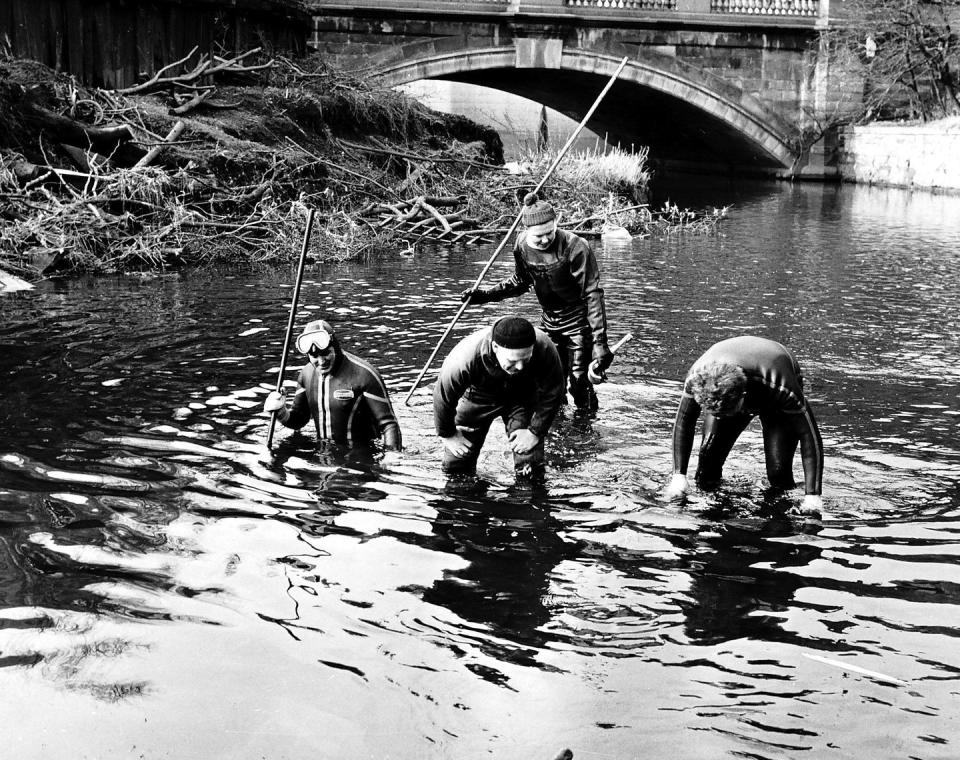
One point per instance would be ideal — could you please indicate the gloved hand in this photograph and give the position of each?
(602, 358)
(391, 458)
(677, 486)
(275, 401)
(474, 295)
(811, 506)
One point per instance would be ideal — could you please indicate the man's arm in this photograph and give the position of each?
(583, 267)
(811, 451)
(516, 285)
(377, 399)
(684, 428)
(299, 414)
(550, 390)
(452, 383)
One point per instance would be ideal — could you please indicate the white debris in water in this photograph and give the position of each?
(72, 498)
(114, 381)
(252, 331)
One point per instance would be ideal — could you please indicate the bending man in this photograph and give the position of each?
(343, 394)
(511, 371)
(563, 271)
(734, 381)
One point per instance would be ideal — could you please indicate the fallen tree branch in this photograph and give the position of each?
(156, 78)
(172, 135)
(193, 102)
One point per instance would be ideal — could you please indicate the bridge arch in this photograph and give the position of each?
(683, 114)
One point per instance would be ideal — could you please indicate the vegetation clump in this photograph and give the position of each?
(215, 160)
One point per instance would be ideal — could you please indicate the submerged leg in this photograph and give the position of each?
(779, 446)
(581, 354)
(530, 467)
(719, 435)
(473, 420)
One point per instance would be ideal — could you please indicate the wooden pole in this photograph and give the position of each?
(293, 314)
(513, 227)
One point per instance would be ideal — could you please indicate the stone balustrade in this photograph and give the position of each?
(628, 5)
(767, 7)
(790, 11)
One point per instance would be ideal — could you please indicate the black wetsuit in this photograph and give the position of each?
(349, 404)
(473, 390)
(566, 279)
(775, 394)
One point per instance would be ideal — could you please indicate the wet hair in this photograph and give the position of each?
(717, 386)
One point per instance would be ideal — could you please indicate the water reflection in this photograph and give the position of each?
(156, 559)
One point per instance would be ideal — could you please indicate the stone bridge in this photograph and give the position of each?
(716, 84)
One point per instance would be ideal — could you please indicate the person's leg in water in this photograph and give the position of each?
(530, 466)
(473, 420)
(576, 353)
(780, 442)
(719, 435)
(562, 342)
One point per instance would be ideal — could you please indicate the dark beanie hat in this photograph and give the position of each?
(514, 332)
(536, 211)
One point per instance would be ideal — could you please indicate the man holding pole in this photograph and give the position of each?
(562, 269)
(345, 395)
(511, 371)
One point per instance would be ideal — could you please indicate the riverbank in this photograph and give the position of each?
(912, 155)
(219, 163)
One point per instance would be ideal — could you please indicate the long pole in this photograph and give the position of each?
(513, 227)
(293, 314)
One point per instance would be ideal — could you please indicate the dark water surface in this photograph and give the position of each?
(170, 589)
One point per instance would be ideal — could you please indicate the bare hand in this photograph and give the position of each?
(523, 441)
(457, 445)
(275, 401)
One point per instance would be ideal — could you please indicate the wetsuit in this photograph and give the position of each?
(775, 394)
(349, 404)
(473, 390)
(566, 279)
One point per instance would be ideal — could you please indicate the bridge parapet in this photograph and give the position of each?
(777, 13)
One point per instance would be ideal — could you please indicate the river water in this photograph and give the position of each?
(169, 588)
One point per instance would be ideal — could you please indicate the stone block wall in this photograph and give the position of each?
(903, 155)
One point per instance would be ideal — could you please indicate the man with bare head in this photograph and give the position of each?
(734, 381)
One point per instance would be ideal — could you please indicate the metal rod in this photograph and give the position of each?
(293, 314)
(513, 227)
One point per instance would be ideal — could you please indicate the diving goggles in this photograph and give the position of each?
(314, 341)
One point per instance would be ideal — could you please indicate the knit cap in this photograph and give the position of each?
(513, 332)
(536, 211)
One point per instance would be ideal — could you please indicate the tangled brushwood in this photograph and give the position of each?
(216, 160)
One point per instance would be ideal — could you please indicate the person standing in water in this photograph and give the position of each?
(563, 272)
(344, 395)
(511, 371)
(734, 381)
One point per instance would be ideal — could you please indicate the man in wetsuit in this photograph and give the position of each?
(563, 271)
(734, 381)
(343, 394)
(511, 371)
